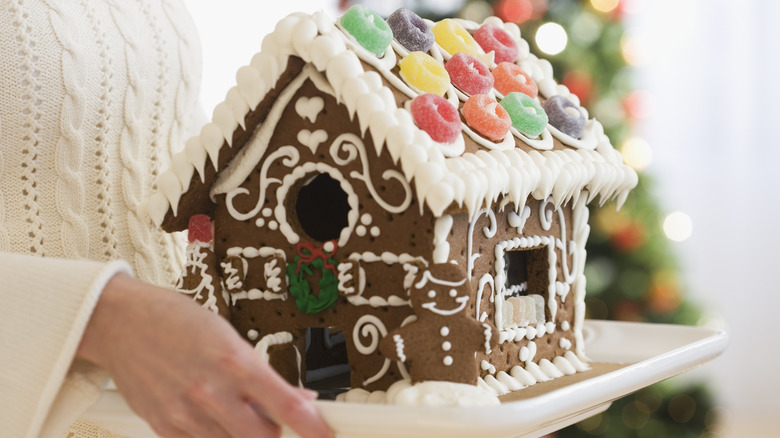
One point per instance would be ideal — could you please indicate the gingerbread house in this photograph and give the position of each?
(331, 197)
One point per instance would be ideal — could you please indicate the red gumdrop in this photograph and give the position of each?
(436, 116)
(487, 117)
(199, 229)
(510, 77)
(468, 74)
(491, 37)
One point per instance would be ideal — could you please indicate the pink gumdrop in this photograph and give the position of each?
(492, 38)
(486, 116)
(436, 116)
(199, 229)
(510, 77)
(468, 74)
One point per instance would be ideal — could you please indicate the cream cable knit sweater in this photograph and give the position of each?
(95, 95)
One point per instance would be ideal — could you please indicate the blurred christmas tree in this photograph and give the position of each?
(632, 272)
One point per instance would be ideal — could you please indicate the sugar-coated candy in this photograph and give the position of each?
(527, 115)
(486, 116)
(510, 77)
(425, 73)
(199, 229)
(436, 116)
(410, 30)
(468, 74)
(453, 38)
(492, 38)
(565, 116)
(368, 29)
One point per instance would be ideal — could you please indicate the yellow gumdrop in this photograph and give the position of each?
(453, 38)
(425, 73)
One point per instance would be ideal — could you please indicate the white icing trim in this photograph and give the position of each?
(304, 171)
(325, 48)
(372, 327)
(431, 306)
(533, 373)
(267, 341)
(195, 260)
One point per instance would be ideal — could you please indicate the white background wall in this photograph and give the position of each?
(712, 68)
(713, 71)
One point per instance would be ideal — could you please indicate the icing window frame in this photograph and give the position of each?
(517, 308)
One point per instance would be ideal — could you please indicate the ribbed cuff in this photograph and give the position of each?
(47, 304)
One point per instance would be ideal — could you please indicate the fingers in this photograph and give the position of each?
(188, 422)
(288, 405)
(234, 414)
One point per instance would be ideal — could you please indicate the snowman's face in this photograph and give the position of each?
(442, 295)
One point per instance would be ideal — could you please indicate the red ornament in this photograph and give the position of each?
(664, 298)
(637, 105)
(199, 229)
(628, 237)
(579, 83)
(515, 11)
(627, 310)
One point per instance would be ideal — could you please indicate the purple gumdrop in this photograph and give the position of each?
(410, 30)
(565, 116)
(468, 74)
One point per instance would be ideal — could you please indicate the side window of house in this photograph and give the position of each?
(526, 286)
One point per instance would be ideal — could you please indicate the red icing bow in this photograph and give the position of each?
(308, 252)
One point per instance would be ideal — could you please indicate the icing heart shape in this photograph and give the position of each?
(309, 107)
(312, 140)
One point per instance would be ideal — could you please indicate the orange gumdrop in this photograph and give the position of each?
(509, 77)
(486, 116)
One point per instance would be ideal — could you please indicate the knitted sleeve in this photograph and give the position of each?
(47, 303)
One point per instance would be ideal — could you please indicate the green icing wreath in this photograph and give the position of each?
(301, 290)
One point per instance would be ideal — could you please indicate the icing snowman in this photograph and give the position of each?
(441, 343)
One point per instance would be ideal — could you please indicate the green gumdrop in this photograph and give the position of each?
(527, 115)
(368, 29)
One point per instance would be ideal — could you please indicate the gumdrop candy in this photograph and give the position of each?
(565, 116)
(492, 38)
(199, 229)
(425, 73)
(468, 74)
(453, 38)
(486, 116)
(368, 29)
(510, 77)
(410, 30)
(436, 116)
(527, 115)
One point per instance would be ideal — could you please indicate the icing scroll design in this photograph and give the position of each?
(373, 328)
(568, 248)
(489, 231)
(354, 148)
(289, 156)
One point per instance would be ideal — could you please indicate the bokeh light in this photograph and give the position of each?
(678, 226)
(551, 38)
(637, 153)
(604, 5)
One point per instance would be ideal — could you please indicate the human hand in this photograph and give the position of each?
(186, 371)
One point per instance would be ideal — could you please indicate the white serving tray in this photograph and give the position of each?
(654, 351)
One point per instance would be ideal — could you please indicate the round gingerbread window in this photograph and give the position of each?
(322, 208)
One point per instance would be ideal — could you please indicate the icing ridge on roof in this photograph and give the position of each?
(443, 174)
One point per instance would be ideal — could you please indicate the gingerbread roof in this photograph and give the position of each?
(443, 174)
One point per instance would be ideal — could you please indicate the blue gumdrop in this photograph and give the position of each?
(571, 122)
(410, 30)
